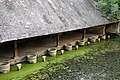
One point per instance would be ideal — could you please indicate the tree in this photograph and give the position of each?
(109, 9)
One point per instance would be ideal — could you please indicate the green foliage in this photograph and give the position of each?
(110, 9)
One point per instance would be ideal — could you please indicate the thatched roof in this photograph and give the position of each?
(21, 19)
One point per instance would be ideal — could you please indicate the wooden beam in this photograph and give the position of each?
(57, 39)
(15, 53)
(84, 32)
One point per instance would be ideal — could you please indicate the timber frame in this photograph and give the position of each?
(57, 39)
(15, 53)
(84, 32)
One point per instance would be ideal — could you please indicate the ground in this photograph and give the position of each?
(85, 56)
(101, 63)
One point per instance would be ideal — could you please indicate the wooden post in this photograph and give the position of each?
(118, 28)
(15, 53)
(57, 39)
(84, 32)
(104, 29)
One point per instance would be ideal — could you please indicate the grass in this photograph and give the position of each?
(28, 69)
(32, 68)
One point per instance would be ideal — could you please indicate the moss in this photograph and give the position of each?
(28, 69)
(33, 68)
